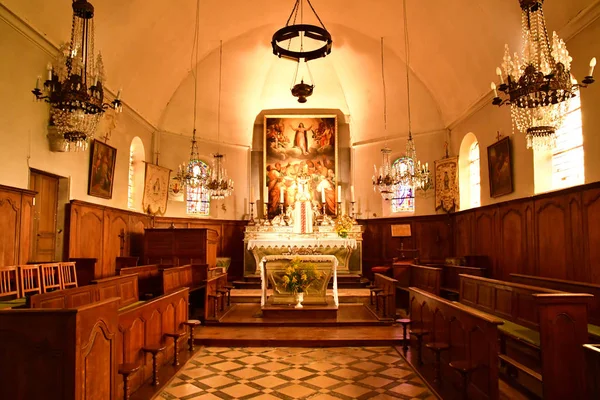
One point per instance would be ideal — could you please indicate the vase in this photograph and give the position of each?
(299, 300)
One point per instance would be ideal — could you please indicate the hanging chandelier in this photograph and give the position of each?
(74, 86)
(538, 84)
(193, 173)
(318, 45)
(219, 185)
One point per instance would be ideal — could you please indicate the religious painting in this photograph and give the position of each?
(102, 170)
(156, 189)
(446, 184)
(500, 167)
(300, 157)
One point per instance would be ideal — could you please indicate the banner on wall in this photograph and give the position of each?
(156, 189)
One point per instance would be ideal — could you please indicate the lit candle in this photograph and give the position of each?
(119, 93)
(266, 195)
(49, 67)
(499, 73)
(252, 194)
(592, 65)
(96, 81)
(352, 193)
(339, 196)
(322, 195)
(281, 194)
(493, 86)
(426, 166)
(37, 82)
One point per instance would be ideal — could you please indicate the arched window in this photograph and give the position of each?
(469, 168)
(135, 182)
(563, 166)
(198, 199)
(474, 176)
(404, 195)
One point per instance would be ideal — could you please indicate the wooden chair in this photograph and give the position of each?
(68, 275)
(9, 285)
(50, 277)
(29, 279)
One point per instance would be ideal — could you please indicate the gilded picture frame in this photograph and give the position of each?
(103, 159)
(301, 147)
(500, 168)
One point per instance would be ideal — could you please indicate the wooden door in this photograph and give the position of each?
(44, 216)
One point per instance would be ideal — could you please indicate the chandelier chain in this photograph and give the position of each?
(407, 56)
(384, 92)
(194, 66)
(219, 104)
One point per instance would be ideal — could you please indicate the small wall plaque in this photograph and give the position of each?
(402, 230)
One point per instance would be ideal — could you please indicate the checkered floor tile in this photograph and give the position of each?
(296, 373)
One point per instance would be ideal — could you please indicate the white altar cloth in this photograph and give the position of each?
(314, 258)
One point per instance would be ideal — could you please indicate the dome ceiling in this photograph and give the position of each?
(146, 45)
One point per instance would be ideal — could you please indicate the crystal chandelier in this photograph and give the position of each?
(74, 86)
(318, 46)
(538, 84)
(193, 174)
(219, 185)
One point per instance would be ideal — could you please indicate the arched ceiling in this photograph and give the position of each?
(146, 45)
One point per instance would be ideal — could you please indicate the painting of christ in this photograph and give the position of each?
(300, 147)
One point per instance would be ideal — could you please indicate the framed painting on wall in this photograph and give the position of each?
(300, 148)
(102, 170)
(500, 167)
(446, 184)
(156, 189)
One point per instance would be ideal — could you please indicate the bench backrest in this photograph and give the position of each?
(149, 279)
(125, 287)
(389, 290)
(510, 301)
(450, 275)
(9, 282)
(67, 298)
(176, 277)
(472, 337)
(566, 286)
(426, 278)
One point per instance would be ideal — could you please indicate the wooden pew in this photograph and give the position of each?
(472, 337)
(419, 276)
(450, 286)
(176, 277)
(212, 307)
(125, 287)
(543, 332)
(53, 354)
(68, 298)
(149, 281)
(592, 368)
(572, 287)
(386, 299)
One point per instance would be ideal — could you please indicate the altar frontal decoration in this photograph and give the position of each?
(300, 160)
(156, 189)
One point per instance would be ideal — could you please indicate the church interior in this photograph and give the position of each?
(299, 199)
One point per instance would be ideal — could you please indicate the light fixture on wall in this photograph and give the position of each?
(193, 173)
(74, 86)
(538, 84)
(318, 45)
(219, 185)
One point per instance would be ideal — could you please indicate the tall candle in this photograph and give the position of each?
(352, 193)
(281, 194)
(265, 195)
(322, 195)
(339, 196)
(252, 194)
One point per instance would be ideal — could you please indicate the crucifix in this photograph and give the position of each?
(122, 241)
(498, 136)
(106, 137)
(157, 154)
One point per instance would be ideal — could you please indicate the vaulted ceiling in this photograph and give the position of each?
(455, 46)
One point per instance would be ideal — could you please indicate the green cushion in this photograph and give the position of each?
(594, 330)
(132, 305)
(520, 332)
(12, 303)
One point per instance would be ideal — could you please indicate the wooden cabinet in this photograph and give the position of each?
(180, 246)
(16, 214)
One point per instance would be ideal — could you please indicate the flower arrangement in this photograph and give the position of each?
(299, 276)
(343, 225)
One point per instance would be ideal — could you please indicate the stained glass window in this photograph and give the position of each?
(404, 195)
(198, 199)
(567, 156)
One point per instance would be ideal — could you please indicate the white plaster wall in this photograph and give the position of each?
(23, 126)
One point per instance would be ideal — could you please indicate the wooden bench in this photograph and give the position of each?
(212, 308)
(149, 281)
(176, 277)
(592, 368)
(125, 287)
(385, 298)
(572, 287)
(450, 286)
(419, 276)
(471, 337)
(543, 332)
(54, 354)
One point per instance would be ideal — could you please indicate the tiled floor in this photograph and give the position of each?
(296, 373)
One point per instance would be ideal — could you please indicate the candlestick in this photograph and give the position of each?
(251, 221)
(339, 208)
(352, 215)
(251, 193)
(339, 193)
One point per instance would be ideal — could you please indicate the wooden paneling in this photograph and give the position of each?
(553, 243)
(16, 217)
(591, 234)
(463, 233)
(484, 237)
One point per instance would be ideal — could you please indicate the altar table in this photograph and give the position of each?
(326, 260)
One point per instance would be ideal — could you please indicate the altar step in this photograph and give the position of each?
(345, 281)
(345, 295)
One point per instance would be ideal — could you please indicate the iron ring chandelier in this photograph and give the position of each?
(310, 31)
